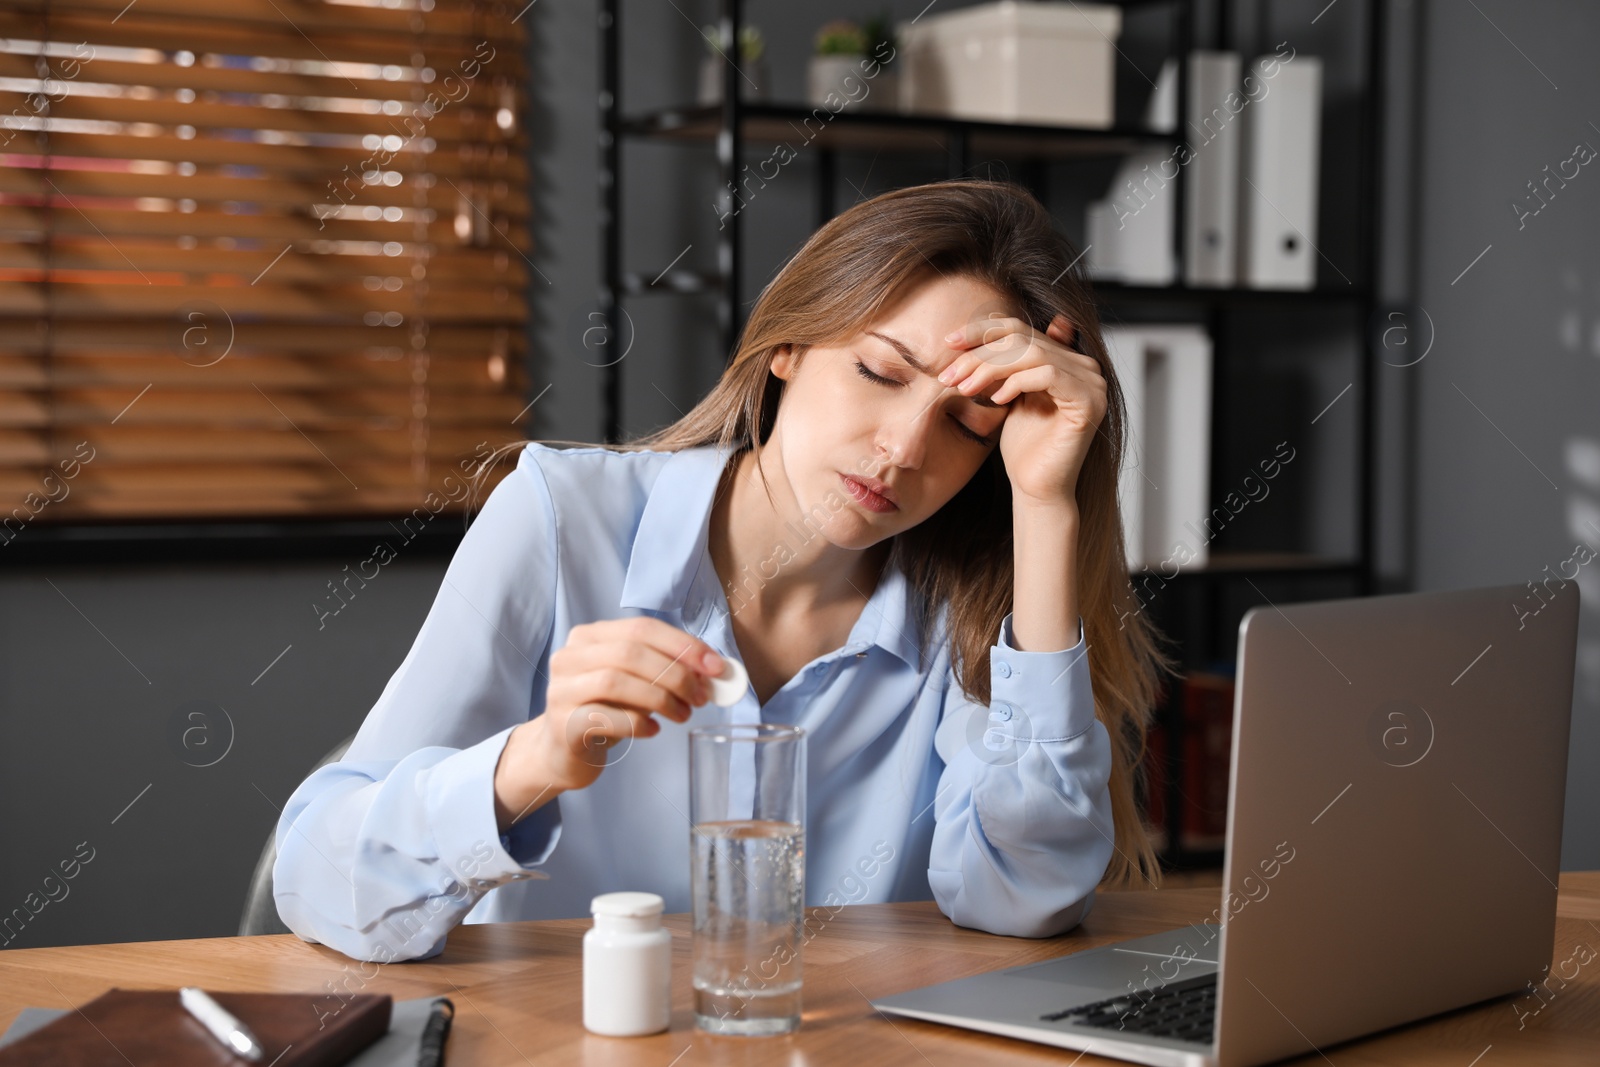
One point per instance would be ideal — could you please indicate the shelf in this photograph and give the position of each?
(1243, 563)
(1121, 292)
(635, 283)
(1183, 859)
(671, 281)
(888, 131)
(761, 130)
(1190, 859)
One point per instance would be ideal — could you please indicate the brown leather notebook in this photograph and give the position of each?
(150, 1026)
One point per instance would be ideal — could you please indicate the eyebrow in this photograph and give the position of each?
(907, 355)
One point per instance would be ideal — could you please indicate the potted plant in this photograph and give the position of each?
(836, 65)
(852, 61)
(714, 65)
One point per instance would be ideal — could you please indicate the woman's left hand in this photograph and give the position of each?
(1057, 398)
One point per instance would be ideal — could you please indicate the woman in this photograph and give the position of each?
(897, 509)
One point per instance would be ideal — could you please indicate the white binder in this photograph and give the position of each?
(1130, 231)
(1161, 112)
(1126, 351)
(1164, 485)
(1211, 187)
(1100, 255)
(1278, 188)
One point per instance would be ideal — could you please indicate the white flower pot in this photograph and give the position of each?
(842, 76)
(712, 70)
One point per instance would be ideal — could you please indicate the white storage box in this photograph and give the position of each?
(1044, 63)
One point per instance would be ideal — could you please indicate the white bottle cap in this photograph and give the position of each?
(730, 686)
(627, 905)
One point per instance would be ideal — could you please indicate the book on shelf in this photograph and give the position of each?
(1154, 773)
(1205, 707)
(1207, 745)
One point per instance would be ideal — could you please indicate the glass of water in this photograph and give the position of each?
(747, 805)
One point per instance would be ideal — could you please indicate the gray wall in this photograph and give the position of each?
(100, 664)
(100, 670)
(1506, 417)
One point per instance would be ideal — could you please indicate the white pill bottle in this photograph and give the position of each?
(627, 966)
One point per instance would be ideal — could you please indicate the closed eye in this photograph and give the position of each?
(965, 430)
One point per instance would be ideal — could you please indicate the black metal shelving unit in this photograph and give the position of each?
(1207, 628)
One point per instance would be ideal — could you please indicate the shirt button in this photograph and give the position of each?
(861, 655)
(1002, 669)
(1000, 713)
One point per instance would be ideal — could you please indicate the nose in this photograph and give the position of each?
(905, 438)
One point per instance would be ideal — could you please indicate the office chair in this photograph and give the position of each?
(260, 910)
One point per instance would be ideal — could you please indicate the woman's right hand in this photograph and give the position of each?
(606, 683)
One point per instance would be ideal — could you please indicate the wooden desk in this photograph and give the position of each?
(518, 992)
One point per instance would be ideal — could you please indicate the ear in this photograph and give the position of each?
(784, 362)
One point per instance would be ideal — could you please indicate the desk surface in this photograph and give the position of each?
(518, 993)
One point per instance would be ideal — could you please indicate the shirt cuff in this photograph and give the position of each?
(531, 841)
(459, 798)
(1039, 696)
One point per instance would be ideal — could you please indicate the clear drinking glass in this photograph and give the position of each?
(747, 805)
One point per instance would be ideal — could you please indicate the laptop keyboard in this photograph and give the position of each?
(1183, 1010)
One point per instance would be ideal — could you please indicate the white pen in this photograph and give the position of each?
(222, 1024)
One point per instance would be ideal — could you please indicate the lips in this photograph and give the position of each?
(871, 493)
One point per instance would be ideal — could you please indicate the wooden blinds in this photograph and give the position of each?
(257, 257)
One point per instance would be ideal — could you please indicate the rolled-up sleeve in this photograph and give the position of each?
(383, 852)
(1023, 829)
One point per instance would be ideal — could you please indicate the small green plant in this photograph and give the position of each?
(880, 41)
(751, 43)
(841, 37)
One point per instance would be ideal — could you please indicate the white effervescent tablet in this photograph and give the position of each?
(728, 687)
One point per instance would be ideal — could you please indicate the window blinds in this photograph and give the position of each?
(257, 257)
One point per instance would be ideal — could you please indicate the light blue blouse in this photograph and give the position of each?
(999, 813)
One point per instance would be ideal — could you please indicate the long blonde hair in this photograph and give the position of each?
(961, 558)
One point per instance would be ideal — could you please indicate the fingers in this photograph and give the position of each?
(1034, 379)
(637, 665)
(960, 369)
(607, 685)
(661, 636)
(597, 728)
(993, 340)
(970, 372)
(618, 688)
(1061, 329)
(574, 664)
(1036, 375)
(987, 331)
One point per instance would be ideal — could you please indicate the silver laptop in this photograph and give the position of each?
(1393, 842)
